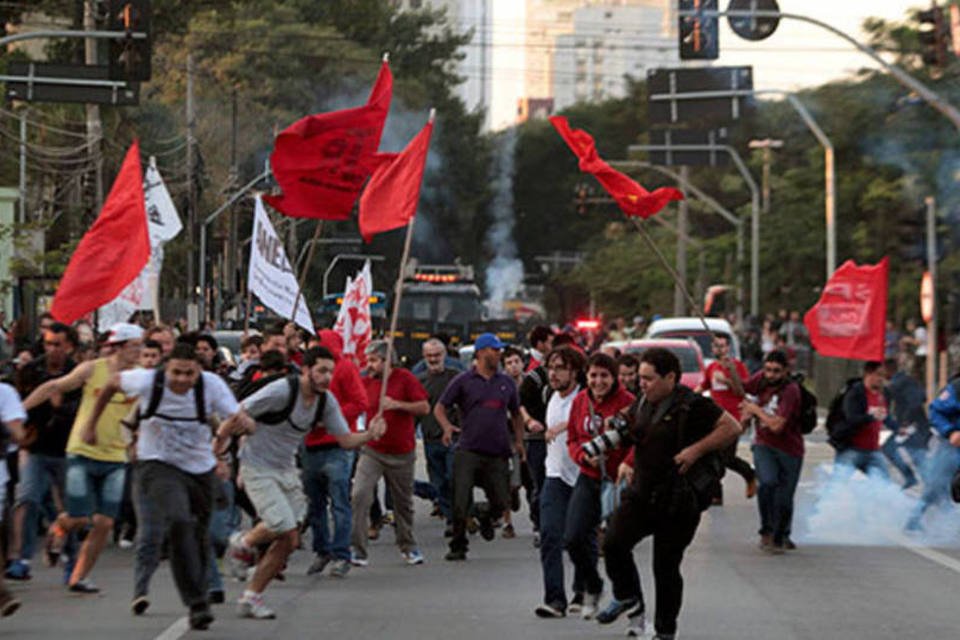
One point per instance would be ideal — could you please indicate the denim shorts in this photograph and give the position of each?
(93, 486)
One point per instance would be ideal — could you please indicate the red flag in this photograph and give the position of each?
(322, 161)
(848, 320)
(390, 199)
(113, 252)
(633, 199)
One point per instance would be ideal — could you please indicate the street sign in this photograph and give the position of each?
(753, 28)
(699, 36)
(709, 96)
(687, 137)
(42, 82)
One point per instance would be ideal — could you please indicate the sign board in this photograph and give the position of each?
(699, 35)
(42, 82)
(721, 95)
(926, 298)
(682, 137)
(754, 29)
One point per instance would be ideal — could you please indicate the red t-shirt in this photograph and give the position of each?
(783, 401)
(716, 379)
(868, 437)
(582, 426)
(400, 437)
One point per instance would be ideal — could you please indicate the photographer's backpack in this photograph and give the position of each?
(808, 405)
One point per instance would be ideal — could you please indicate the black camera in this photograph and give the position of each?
(617, 432)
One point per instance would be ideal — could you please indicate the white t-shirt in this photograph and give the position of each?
(10, 409)
(559, 464)
(274, 446)
(174, 435)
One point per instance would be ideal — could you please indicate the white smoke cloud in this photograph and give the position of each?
(504, 275)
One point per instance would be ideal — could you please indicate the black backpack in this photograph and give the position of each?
(808, 406)
(156, 395)
(283, 415)
(835, 417)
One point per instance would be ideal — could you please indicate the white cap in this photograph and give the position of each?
(123, 331)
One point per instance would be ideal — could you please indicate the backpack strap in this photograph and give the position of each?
(156, 393)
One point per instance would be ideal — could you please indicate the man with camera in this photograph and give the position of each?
(673, 470)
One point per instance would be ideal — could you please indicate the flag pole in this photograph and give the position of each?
(303, 272)
(397, 296)
(673, 273)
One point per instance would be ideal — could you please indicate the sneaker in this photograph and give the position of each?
(509, 532)
(789, 545)
(125, 543)
(83, 587)
(486, 528)
(548, 610)
(139, 605)
(751, 488)
(590, 604)
(319, 564)
(200, 617)
(8, 603)
(617, 608)
(239, 556)
(576, 603)
(252, 606)
(636, 626)
(413, 557)
(359, 561)
(339, 568)
(766, 542)
(455, 556)
(18, 570)
(216, 596)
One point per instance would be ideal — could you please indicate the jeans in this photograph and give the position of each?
(893, 452)
(326, 481)
(491, 474)
(534, 475)
(634, 520)
(778, 474)
(440, 471)
(942, 463)
(171, 500)
(554, 501)
(222, 524)
(93, 486)
(871, 463)
(38, 474)
(580, 531)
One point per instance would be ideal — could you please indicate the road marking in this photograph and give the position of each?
(934, 556)
(176, 630)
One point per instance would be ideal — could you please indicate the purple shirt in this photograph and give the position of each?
(484, 405)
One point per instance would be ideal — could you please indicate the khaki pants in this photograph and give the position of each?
(397, 471)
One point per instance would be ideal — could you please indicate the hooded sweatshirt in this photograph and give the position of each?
(346, 386)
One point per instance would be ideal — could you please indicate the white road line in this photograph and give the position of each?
(926, 552)
(176, 630)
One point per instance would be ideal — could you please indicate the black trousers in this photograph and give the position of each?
(533, 475)
(179, 504)
(634, 520)
(737, 464)
(490, 473)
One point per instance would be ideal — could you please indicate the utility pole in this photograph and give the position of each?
(679, 300)
(191, 202)
(767, 145)
(94, 124)
(231, 249)
(23, 165)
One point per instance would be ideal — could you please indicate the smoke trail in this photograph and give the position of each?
(504, 275)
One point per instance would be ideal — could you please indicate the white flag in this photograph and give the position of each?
(353, 321)
(271, 277)
(163, 224)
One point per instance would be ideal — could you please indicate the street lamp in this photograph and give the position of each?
(766, 144)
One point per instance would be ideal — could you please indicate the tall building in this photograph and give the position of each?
(609, 42)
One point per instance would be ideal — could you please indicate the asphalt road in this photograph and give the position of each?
(733, 591)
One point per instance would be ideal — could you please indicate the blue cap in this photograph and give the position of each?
(487, 341)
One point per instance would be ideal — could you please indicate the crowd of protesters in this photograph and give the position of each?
(159, 440)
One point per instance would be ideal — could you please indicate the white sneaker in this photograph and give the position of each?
(637, 626)
(358, 560)
(252, 606)
(413, 557)
(590, 603)
(239, 556)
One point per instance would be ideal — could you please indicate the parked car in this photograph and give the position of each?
(693, 328)
(687, 351)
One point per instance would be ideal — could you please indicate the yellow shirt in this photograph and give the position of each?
(110, 445)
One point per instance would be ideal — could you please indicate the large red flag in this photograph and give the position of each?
(848, 320)
(390, 199)
(633, 199)
(322, 161)
(113, 252)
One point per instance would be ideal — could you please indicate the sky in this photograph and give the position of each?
(800, 55)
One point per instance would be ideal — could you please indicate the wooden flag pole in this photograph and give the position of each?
(673, 273)
(397, 297)
(303, 272)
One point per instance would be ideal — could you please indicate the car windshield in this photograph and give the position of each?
(704, 339)
(686, 355)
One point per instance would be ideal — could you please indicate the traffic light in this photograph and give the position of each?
(934, 36)
(129, 58)
(699, 35)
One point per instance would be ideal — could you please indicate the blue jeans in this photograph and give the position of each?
(777, 476)
(326, 481)
(848, 461)
(222, 524)
(440, 470)
(554, 498)
(942, 463)
(39, 474)
(580, 531)
(93, 486)
(893, 451)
